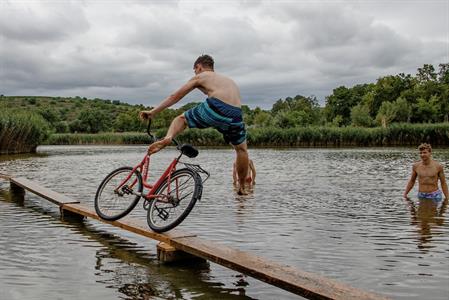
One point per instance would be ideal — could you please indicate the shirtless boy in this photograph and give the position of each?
(221, 110)
(428, 172)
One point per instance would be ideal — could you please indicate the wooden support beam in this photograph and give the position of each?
(169, 254)
(16, 189)
(70, 216)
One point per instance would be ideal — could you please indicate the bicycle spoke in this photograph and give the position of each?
(115, 197)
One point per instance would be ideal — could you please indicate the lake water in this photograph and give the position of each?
(335, 212)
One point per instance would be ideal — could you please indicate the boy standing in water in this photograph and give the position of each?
(428, 171)
(221, 110)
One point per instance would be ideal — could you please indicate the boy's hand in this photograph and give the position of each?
(146, 114)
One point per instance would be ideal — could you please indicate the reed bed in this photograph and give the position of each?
(21, 131)
(395, 135)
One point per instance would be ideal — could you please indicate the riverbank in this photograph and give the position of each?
(394, 135)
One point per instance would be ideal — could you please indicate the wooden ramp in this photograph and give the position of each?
(305, 284)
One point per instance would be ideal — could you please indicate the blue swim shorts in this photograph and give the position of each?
(227, 119)
(436, 195)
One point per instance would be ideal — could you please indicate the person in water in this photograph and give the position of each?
(428, 172)
(221, 110)
(250, 178)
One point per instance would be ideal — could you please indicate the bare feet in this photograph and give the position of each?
(159, 145)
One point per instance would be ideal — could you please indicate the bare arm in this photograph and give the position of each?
(411, 182)
(234, 173)
(173, 98)
(253, 171)
(443, 182)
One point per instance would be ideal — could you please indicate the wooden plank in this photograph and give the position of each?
(45, 193)
(305, 284)
(137, 227)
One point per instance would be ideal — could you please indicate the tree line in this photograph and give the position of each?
(419, 98)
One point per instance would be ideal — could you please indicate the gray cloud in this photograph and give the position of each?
(41, 22)
(140, 51)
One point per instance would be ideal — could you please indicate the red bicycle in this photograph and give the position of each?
(168, 201)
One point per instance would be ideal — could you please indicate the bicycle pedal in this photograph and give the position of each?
(163, 214)
(127, 190)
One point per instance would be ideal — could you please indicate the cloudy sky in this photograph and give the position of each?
(141, 51)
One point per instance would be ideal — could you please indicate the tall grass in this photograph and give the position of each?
(395, 135)
(107, 138)
(21, 131)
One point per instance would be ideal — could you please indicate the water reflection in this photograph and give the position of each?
(135, 272)
(427, 215)
(18, 196)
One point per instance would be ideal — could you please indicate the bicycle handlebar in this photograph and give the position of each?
(155, 138)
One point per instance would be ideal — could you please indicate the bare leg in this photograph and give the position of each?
(177, 126)
(242, 165)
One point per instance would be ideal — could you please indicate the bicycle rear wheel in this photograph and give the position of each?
(168, 210)
(115, 197)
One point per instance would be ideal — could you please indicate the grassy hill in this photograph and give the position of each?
(70, 115)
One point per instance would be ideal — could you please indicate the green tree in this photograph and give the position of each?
(338, 104)
(443, 73)
(427, 110)
(284, 120)
(61, 127)
(426, 73)
(360, 116)
(280, 105)
(50, 115)
(337, 121)
(403, 110)
(342, 100)
(387, 113)
(262, 119)
(124, 122)
(389, 88)
(93, 121)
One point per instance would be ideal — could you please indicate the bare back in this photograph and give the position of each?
(427, 175)
(219, 86)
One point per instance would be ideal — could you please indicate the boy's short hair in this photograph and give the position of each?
(205, 60)
(425, 146)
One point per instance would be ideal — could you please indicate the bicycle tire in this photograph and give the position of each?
(196, 187)
(111, 194)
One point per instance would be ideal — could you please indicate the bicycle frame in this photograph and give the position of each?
(143, 168)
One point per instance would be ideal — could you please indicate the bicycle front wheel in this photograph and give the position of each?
(174, 200)
(117, 196)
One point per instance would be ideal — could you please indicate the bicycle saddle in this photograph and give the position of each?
(188, 150)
